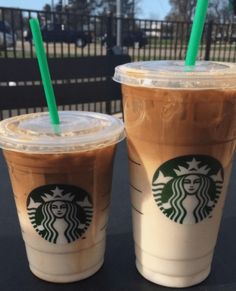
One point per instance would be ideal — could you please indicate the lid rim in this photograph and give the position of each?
(110, 131)
(155, 74)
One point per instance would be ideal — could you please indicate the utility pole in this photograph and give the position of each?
(52, 5)
(133, 9)
(52, 10)
(119, 23)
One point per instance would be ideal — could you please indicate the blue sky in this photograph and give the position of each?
(149, 9)
(153, 9)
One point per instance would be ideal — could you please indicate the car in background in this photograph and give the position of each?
(60, 33)
(7, 37)
(129, 39)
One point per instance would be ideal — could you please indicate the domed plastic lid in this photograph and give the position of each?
(173, 74)
(78, 131)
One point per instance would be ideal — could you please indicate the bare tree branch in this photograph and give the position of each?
(183, 10)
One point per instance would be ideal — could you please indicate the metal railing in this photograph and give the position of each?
(72, 35)
(141, 39)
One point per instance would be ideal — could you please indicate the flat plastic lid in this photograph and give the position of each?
(79, 131)
(173, 74)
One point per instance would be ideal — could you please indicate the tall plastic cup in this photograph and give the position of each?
(62, 184)
(181, 131)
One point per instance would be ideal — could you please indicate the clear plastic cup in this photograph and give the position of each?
(62, 183)
(181, 129)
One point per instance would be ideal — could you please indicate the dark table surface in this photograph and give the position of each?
(118, 271)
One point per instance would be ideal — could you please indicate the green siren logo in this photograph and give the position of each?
(187, 188)
(59, 213)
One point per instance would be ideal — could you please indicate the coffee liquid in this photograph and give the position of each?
(181, 144)
(62, 202)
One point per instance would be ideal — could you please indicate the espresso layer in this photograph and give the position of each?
(180, 117)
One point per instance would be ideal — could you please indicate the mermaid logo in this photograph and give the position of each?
(59, 213)
(187, 188)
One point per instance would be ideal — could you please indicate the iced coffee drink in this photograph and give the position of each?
(181, 130)
(62, 184)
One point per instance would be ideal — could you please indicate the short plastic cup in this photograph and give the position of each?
(62, 184)
(181, 129)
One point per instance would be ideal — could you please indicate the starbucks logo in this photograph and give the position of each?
(59, 213)
(187, 188)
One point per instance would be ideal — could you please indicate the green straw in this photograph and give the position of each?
(44, 71)
(196, 33)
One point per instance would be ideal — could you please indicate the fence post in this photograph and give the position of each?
(109, 29)
(108, 107)
(208, 40)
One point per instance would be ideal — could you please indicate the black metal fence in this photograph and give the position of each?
(68, 35)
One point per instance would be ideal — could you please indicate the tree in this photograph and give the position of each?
(129, 7)
(96, 7)
(233, 5)
(47, 8)
(183, 10)
(81, 7)
(79, 10)
(219, 11)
